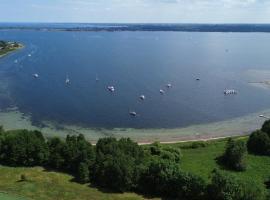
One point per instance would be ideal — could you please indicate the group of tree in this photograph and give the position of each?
(259, 141)
(122, 165)
(3, 44)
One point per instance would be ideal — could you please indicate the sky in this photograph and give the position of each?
(136, 11)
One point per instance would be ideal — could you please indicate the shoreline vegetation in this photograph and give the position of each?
(123, 169)
(8, 47)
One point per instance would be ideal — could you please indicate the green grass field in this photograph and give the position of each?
(44, 185)
(4, 196)
(201, 161)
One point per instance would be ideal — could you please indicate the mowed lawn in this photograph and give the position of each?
(202, 161)
(44, 185)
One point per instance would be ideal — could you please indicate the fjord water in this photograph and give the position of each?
(134, 63)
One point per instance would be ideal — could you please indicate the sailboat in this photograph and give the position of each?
(67, 80)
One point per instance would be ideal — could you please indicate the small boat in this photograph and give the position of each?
(35, 75)
(16, 61)
(161, 91)
(263, 116)
(29, 55)
(197, 79)
(133, 114)
(169, 85)
(142, 97)
(67, 80)
(228, 92)
(111, 88)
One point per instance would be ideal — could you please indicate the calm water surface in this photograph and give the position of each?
(134, 63)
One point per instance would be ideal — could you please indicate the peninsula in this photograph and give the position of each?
(7, 47)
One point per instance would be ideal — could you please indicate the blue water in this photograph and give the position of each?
(134, 63)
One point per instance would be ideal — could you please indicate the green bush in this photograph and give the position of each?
(234, 154)
(266, 127)
(259, 143)
(227, 187)
(165, 178)
(164, 152)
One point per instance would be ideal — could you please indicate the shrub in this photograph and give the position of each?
(266, 127)
(163, 177)
(234, 154)
(23, 177)
(227, 187)
(259, 143)
(165, 152)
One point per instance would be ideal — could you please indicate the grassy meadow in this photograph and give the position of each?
(198, 158)
(44, 185)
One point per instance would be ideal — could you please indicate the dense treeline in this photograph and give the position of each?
(122, 165)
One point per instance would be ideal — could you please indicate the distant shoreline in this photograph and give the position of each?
(91, 27)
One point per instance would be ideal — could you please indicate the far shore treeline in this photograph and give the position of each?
(122, 165)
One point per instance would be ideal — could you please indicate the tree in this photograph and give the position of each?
(77, 150)
(266, 127)
(234, 154)
(163, 177)
(83, 172)
(116, 163)
(259, 143)
(24, 148)
(56, 153)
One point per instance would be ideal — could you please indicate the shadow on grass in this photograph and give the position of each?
(224, 166)
(111, 191)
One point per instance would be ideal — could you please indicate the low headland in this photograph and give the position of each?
(8, 47)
